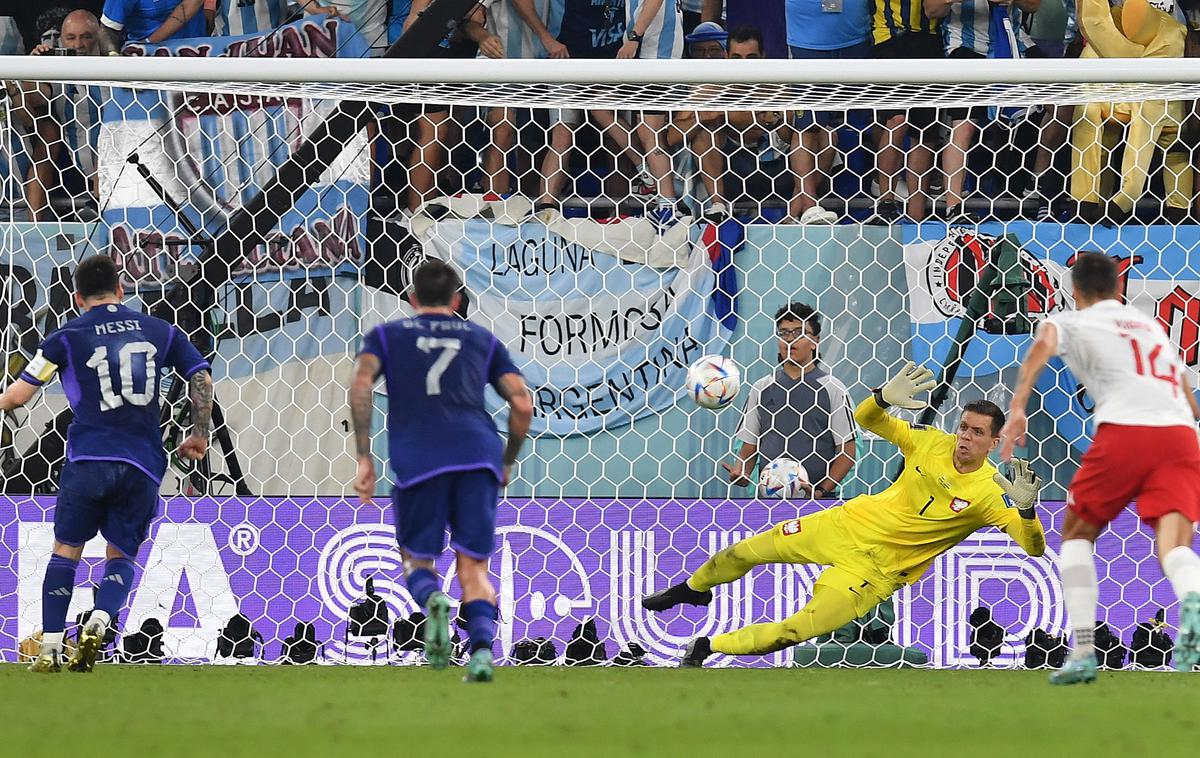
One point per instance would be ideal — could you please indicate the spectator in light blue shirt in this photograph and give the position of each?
(822, 30)
(233, 18)
(153, 20)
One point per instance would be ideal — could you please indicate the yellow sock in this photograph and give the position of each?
(733, 562)
(827, 610)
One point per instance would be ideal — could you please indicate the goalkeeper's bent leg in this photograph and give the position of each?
(829, 609)
(735, 561)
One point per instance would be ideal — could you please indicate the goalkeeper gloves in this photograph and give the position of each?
(1020, 487)
(901, 388)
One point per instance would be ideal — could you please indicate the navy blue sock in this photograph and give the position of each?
(421, 584)
(480, 616)
(57, 588)
(115, 586)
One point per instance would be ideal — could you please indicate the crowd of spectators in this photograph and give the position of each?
(877, 166)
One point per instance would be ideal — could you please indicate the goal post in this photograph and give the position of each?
(536, 186)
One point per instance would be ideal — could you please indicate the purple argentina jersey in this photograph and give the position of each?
(110, 360)
(436, 369)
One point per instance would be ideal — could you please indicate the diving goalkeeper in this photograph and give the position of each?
(875, 544)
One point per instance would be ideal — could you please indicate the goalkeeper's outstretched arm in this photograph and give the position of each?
(900, 390)
(872, 417)
(1026, 532)
(1019, 518)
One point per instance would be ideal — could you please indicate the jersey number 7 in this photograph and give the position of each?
(449, 348)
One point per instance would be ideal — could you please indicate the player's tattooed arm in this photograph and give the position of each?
(362, 405)
(200, 390)
(512, 388)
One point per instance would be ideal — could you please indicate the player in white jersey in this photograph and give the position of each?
(1145, 449)
(528, 28)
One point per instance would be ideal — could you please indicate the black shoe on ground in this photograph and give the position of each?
(959, 216)
(696, 653)
(886, 212)
(677, 595)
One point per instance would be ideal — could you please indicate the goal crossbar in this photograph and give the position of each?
(633, 84)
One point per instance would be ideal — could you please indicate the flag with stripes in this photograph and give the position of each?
(208, 153)
(722, 241)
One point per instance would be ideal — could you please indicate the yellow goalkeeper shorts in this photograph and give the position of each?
(820, 538)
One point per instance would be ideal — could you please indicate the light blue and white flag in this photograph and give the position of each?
(213, 152)
(601, 342)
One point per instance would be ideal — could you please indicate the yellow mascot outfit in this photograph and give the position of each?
(1136, 30)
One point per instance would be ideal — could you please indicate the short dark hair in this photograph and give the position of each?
(1094, 274)
(434, 283)
(95, 276)
(990, 409)
(745, 33)
(800, 312)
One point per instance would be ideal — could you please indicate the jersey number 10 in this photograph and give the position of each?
(109, 399)
(449, 348)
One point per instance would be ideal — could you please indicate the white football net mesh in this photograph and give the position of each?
(610, 235)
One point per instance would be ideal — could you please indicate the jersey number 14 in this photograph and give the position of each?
(109, 399)
(1149, 365)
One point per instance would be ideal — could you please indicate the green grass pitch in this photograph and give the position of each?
(394, 711)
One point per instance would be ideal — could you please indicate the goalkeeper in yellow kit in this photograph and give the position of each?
(875, 544)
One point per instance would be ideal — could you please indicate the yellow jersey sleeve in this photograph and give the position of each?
(899, 432)
(1028, 533)
(931, 507)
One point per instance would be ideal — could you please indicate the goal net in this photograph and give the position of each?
(613, 223)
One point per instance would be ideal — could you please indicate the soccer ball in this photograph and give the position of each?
(713, 381)
(783, 478)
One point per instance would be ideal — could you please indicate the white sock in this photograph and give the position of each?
(99, 620)
(1182, 567)
(51, 643)
(1077, 568)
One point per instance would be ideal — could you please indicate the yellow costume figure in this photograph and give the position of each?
(875, 544)
(1136, 30)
